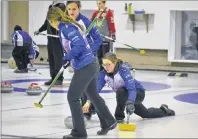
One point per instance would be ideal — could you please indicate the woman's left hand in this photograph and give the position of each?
(86, 107)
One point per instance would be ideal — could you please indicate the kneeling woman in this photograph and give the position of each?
(129, 92)
(85, 73)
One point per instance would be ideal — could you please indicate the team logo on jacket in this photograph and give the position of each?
(71, 33)
(99, 23)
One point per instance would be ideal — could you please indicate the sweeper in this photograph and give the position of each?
(129, 92)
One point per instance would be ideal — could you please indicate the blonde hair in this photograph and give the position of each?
(112, 57)
(56, 14)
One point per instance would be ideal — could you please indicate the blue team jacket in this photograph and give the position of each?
(21, 38)
(74, 42)
(122, 78)
(94, 39)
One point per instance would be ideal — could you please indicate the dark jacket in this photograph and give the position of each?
(47, 26)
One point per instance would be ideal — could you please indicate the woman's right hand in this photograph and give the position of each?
(86, 106)
(32, 61)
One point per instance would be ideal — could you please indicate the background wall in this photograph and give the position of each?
(18, 15)
(156, 38)
(31, 15)
(37, 16)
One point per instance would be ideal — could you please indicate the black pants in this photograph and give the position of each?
(84, 98)
(20, 55)
(85, 80)
(55, 57)
(104, 48)
(140, 109)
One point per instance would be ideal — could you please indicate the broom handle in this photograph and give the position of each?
(119, 42)
(50, 35)
(53, 82)
(93, 22)
(55, 36)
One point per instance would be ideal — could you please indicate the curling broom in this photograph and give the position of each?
(142, 52)
(39, 105)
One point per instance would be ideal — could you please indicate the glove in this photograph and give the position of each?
(86, 106)
(113, 37)
(130, 108)
(66, 63)
(36, 32)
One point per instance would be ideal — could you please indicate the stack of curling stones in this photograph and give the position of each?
(34, 89)
(6, 88)
(68, 122)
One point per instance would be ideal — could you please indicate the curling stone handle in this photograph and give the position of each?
(33, 84)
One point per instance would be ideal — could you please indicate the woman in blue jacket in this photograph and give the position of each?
(84, 79)
(129, 92)
(94, 39)
(23, 49)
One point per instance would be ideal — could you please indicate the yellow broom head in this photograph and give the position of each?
(38, 105)
(142, 52)
(127, 127)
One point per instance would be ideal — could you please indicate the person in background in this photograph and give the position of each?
(54, 48)
(80, 55)
(129, 92)
(106, 27)
(195, 30)
(94, 39)
(22, 49)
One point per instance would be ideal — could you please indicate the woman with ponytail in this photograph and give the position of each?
(94, 39)
(129, 92)
(74, 42)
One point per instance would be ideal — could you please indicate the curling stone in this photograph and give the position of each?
(34, 89)
(68, 122)
(11, 63)
(6, 87)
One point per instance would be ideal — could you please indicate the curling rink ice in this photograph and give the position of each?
(20, 119)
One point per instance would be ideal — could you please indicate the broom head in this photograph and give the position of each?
(127, 127)
(38, 105)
